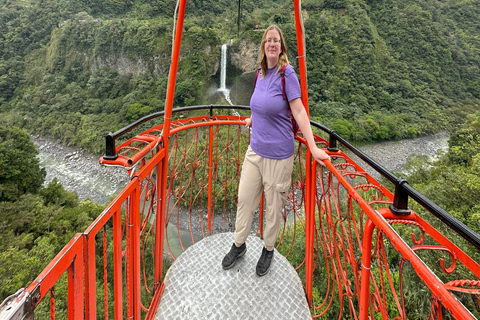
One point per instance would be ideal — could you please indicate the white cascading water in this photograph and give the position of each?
(223, 75)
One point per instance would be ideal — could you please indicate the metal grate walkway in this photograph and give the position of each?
(196, 286)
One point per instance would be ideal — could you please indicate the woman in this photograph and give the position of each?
(268, 161)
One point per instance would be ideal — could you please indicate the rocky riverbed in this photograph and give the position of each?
(80, 172)
(393, 154)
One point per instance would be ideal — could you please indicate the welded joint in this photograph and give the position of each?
(20, 305)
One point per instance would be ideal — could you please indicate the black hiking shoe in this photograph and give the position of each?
(232, 256)
(264, 262)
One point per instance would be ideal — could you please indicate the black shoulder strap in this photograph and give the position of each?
(282, 74)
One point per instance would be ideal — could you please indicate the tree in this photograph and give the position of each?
(19, 169)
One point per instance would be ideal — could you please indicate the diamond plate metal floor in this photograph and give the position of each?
(196, 286)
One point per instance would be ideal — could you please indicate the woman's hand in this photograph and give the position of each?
(300, 115)
(319, 155)
(248, 122)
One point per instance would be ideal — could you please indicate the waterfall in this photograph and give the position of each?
(223, 70)
(223, 75)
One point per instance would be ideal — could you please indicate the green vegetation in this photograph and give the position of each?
(452, 181)
(378, 70)
(36, 221)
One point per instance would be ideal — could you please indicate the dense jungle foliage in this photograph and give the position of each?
(75, 70)
(378, 69)
(37, 221)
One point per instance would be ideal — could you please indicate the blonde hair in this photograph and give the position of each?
(282, 58)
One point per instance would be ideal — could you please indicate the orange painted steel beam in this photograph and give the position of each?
(172, 79)
(117, 264)
(159, 231)
(210, 177)
(145, 171)
(310, 173)
(302, 65)
(162, 201)
(75, 288)
(90, 278)
(310, 188)
(133, 252)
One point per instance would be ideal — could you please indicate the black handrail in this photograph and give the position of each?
(112, 137)
(402, 188)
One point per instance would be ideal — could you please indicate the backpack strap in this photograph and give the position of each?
(282, 74)
(256, 77)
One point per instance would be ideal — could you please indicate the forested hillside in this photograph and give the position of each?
(383, 69)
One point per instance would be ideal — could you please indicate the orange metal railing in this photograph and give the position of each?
(357, 260)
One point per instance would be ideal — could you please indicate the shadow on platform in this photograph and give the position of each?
(196, 286)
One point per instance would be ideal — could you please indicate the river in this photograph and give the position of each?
(393, 154)
(80, 172)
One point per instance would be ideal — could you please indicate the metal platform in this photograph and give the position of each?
(196, 286)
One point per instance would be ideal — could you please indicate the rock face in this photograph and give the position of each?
(126, 66)
(245, 56)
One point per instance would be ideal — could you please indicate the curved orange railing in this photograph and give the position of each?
(343, 224)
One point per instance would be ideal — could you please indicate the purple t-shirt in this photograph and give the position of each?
(272, 135)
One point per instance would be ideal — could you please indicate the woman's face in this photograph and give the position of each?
(273, 47)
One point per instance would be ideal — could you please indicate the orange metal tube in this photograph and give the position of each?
(133, 274)
(310, 180)
(54, 270)
(75, 288)
(159, 231)
(309, 227)
(162, 201)
(302, 66)
(365, 273)
(117, 263)
(210, 177)
(166, 125)
(90, 278)
(173, 70)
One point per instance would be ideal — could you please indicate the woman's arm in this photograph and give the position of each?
(248, 122)
(300, 115)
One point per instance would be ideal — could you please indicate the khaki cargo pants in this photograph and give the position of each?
(274, 178)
